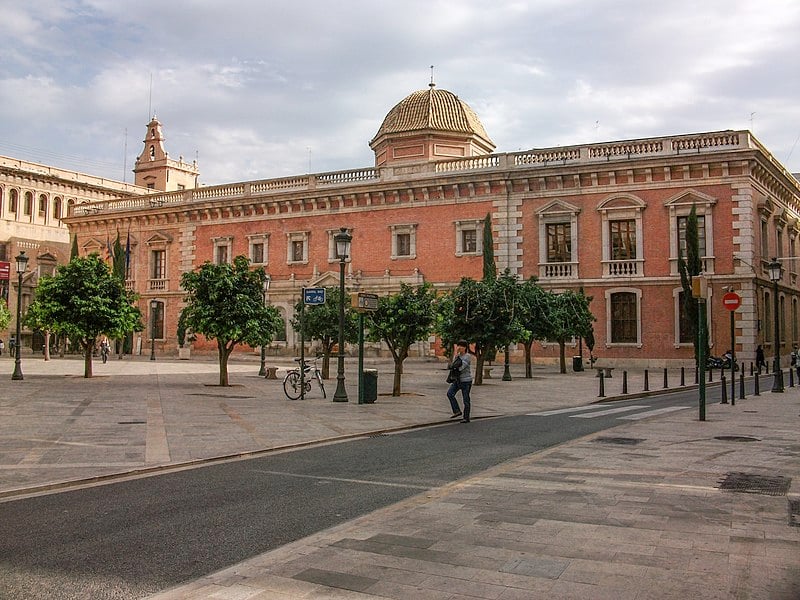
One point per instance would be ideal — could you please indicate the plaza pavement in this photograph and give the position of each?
(634, 512)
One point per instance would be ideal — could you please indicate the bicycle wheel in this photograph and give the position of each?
(291, 385)
(321, 385)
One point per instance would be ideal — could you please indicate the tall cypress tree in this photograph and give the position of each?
(691, 266)
(489, 268)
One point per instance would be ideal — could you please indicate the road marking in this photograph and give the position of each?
(610, 411)
(651, 413)
(560, 411)
(343, 479)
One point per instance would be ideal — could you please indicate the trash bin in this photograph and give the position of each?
(370, 383)
(577, 363)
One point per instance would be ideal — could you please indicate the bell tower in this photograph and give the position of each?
(156, 170)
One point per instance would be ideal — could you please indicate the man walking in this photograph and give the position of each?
(462, 380)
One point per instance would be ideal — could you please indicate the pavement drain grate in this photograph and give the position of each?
(749, 483)
(736, 438)
(622, 441)
(131, 422)
(794, 513)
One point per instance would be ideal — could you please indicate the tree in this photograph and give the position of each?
(481, 312)
(5, 315)
(35, 320)
(532, 302)
(568, 316)
(400, 320)
(489, 268)
(83, 300)
(692, 266)
(225, 302)
(321, 322)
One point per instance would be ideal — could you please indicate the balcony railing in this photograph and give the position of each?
(623, 268)
(159, 285)
(560, 270)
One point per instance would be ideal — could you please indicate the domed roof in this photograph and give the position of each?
(432, 109)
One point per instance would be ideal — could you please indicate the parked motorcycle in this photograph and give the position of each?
(723, 362)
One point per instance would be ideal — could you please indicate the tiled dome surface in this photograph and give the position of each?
(432, 109)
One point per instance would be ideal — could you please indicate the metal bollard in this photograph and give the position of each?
(602, 393)
(751, 369)
(624, 382)
(666, 382)
(756, 391)
(683, 376)
(710, 375)
(791, 377)
(646, 381)
(741, 387)
(724, 390)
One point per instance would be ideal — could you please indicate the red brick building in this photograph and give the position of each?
(608, 217)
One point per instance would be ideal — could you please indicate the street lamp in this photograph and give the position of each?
(153, 309)
(342, 240)
(263, 370)
(22, 266)
(775, 270)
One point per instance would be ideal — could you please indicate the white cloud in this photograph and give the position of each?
(257, 87)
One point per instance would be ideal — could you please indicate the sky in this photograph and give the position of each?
(256, 89)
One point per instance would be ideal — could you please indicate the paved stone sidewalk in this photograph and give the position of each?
(587, 520)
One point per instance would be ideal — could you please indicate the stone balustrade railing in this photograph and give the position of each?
(592, 153)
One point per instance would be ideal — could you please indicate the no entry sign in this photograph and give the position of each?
(731, 301)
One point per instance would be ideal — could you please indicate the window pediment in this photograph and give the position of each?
(622, 202)
(558, 208)
(158, 239)
(689, 197)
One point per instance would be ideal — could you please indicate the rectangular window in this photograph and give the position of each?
(778, 242)
(469, 241)
(764, 241)
(559, 242)
(685, 321)
(623, 239)
(159, 264)
(157, 330)
(257, 253)
(623, 318)
(298, 250)
(701, 235)
(221, 254)
(403, 244)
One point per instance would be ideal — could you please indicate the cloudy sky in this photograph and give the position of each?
(264, 88)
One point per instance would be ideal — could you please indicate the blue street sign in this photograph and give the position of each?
(313, 296)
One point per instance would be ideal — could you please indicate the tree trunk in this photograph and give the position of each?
(528, 354)
(47, 345)
(562, 350)
(398, 374)
(224, 353)
(478, 377)
(87, 359)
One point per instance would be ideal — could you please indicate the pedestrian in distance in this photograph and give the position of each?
(760, 362)
(2, 347)
(460, 378)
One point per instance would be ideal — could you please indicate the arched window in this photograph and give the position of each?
(27, 207)
(42, 206)
(57, 208)
(13, 202)
(152, 152)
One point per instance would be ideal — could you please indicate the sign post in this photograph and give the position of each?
(699, 291)
(732, 301)
(312, 297)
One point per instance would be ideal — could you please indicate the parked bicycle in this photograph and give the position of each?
(291, 383)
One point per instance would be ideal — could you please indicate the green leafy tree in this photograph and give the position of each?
(691, 266)
(483, 313)
(568, 316)
(225, 303)
(321, 323)
(35, 320)
(83, 300)
(401, 320)
(532, 303)
(5, 315)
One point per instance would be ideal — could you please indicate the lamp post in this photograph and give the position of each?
(263, 370)
(342, 240)
(22, 265)
(775, 275)
(153, 309)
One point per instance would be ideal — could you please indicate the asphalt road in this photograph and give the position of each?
(133, 538)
